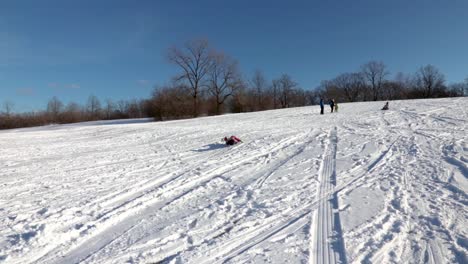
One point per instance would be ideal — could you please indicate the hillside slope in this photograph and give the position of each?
(361, 185)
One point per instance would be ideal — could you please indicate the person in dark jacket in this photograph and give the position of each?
(332, 104)
(232, 140)
(321, 106)
(385, 106)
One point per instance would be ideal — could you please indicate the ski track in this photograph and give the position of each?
(327, 246)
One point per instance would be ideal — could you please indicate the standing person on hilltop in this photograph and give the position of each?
(321, 106)
(336, 106)
(332, 104)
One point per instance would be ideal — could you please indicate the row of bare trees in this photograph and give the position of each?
(59, 113)
(176, 100)
(371, 84)
(210, 82)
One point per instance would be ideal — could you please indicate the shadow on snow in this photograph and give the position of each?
(210, 147)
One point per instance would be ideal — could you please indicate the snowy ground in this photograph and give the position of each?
(361, 185)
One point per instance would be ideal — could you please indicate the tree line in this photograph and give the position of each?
(210, 83)
(56, 112)
(371, 83)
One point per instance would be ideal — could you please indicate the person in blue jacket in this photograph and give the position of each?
(321, 106)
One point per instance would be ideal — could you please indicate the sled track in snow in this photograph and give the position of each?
(327, 241)
(239, 244)
(129, 213)
(234, 246)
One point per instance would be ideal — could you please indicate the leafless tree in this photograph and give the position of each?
(298, 97)
(375, 73)
(313, 96)
(330, 90)
(405, 80)
(134, 110)
(223, 79)
(8, 107)
(171, 102)
(429, 80)
(72, 113)
(93, 107)
(239, 102)
(259, 86)
(465, 91)
(286, 85)
(352, 84)
(109, 108)
(275, 92)
(54, 108)
(195, 60)
(122, 107)
(458, 89)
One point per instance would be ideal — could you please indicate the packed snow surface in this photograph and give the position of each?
(360, 185)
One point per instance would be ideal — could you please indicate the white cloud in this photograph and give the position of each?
(73, 86)
(25, 91)
(63, 87)
(143, 82)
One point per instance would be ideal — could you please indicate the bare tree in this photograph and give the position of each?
(298, 97)
(134, 110)
(465, 91)
(458, 89)
(122, 107)
(330, 90)
(405, 80)
(93, 107)
(224, 79)
(352, 84)
(275, 92)
(195, 60)
(259, 85)
(54, 108)
(375, 74)
(286, 85)
(429, 80)
(171, 102)
(8, 107)
(109, 109)
(239, 102)
(72, 113)
(313, 96)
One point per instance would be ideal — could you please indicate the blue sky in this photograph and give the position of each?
(117, 49)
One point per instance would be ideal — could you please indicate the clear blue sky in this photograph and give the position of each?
(117, 49)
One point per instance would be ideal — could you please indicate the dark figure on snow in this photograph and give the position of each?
(385, 106)
(332, 104)
(232, 140)
(321, 106)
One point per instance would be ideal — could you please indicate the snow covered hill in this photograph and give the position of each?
(360, 185)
